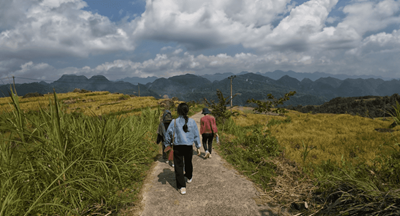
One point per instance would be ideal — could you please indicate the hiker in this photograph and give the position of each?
(164, 123)
(208, 129)
(181, 133)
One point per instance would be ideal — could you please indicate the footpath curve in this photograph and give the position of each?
(215, 190)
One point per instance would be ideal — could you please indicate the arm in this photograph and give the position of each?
(159, 138)
(214, 125)
(168, 135)
(201, 126)
(196, 135)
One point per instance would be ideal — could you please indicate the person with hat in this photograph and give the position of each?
(208, 129)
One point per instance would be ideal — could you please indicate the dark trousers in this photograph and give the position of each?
(164, 155)
(207, 141)
(183, 154)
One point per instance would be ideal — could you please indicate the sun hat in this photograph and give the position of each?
(206, 111)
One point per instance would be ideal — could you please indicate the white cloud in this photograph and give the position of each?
(332, 19)
(59, 28)
(208, 23)
(371, 16)
(31, 31)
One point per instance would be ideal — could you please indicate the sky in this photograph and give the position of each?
(44, 39)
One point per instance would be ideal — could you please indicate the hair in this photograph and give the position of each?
(183, 110)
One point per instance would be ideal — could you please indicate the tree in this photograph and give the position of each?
(219, 110)
(265, 106)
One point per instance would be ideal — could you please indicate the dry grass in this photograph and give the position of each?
(328, 136)
(97, 103)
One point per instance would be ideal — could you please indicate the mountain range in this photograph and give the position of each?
(277, 74)
(246, 85)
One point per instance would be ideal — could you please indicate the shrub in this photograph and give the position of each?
(76, 90)
(219, 110)
(28, 95)
(265, 106)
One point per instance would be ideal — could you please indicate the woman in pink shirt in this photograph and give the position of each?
(208, 129)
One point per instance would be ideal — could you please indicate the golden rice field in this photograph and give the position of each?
(97, 103)
(329, 136)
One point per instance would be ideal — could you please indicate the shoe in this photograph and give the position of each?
(182, 191)
(207, 155)
(173, 165)
(167, 161)
(189, 180)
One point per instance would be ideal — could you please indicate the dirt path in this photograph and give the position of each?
(215, 190)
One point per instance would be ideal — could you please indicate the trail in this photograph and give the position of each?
(215, 190)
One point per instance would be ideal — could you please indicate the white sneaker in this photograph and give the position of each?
(189, 180)
(182, 191)
(173, 165)
(207, 154)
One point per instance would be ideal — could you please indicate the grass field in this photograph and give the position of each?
(56, 160)
(327, 136)
(88, 153)
(335, 164)
(97, 103)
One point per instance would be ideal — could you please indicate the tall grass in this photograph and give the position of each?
(55, 163)
(354, 169)
(249, 149)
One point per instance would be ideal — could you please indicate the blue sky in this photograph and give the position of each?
(44, 39)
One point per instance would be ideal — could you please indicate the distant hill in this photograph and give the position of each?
(247, 85)
(217, 76)
(136, 80)
(277, 74)
(366, 106)
(178, 86)
(68, 83)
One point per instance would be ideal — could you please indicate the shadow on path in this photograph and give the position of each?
(167, 175)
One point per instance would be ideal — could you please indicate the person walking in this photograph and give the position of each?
(208, 129)
(181, 133)
(164, 124)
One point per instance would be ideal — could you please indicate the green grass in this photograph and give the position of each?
(55, 163)
(249, 150)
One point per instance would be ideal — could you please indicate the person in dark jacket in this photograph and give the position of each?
(164, 124)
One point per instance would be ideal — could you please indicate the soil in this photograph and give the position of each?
(216, 189)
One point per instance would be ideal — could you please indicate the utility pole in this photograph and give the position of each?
(15, 90)
(231, 78)
(138, 88)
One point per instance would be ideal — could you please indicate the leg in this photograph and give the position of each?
(210, 140)
(178, 161)
(188, 155)
(204, 142)
(163, 153)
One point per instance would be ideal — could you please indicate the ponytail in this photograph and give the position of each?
(185, 127)
(183, 110)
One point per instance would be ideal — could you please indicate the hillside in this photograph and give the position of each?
(366, 106)
(246, 85)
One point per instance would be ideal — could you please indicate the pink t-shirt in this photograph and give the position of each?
(205, 125)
